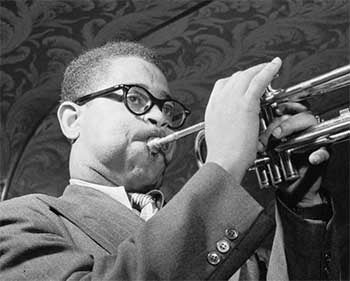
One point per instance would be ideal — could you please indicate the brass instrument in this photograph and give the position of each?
(275, 166)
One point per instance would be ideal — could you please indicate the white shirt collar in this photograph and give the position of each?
(116, 192)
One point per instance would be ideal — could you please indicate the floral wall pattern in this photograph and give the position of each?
(199, 41)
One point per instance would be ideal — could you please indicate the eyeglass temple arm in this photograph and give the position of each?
(96, 94)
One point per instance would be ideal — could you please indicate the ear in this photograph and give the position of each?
(68, 115)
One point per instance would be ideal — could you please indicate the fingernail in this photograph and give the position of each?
(279, 112)
(277, 132)
(276, 60)
(315, 159)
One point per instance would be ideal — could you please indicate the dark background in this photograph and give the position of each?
(199, 41)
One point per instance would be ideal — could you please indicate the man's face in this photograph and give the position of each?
(113, 140)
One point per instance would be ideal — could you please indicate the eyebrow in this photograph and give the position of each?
(164, 93)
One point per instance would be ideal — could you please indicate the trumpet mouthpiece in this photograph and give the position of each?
(154, 145)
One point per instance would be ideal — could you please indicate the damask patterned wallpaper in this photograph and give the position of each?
(199, 41)
(38, 39)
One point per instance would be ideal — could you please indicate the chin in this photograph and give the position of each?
(144, 184)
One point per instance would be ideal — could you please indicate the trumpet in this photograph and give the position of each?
(275, 165)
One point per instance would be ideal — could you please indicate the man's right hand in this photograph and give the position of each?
(232, 117)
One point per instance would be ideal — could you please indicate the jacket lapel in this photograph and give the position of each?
(102, 218)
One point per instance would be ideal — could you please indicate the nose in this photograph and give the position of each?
(156, 117)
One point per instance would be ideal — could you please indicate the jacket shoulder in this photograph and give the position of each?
(30, 210)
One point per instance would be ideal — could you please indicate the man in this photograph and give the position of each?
(114, 100)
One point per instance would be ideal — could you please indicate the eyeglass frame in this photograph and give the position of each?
(122, 98)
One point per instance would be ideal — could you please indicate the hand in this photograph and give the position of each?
(304, 191)
(232, 117)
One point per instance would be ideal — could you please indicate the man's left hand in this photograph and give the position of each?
(293, 118)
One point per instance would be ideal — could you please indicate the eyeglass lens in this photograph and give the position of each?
(139, 101)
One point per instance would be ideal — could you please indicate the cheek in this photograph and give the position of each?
(137, 159)
(135, 155)
(107, 138)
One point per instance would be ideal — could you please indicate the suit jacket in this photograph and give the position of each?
(207, 231)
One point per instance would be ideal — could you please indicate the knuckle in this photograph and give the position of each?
(313, 119)
(237, 73)
(284, 117)
(285, 126)
(277, 121)
(219, 82)
(258, 81)
(307, 115)
(263, 139)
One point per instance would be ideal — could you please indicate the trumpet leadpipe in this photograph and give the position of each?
(157, 143)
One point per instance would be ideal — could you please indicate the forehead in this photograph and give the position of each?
(134, 70)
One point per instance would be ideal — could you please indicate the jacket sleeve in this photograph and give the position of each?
(205, 232)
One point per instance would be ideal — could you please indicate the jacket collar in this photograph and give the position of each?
(103, 219)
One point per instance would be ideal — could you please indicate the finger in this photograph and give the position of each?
(319, 156)
(262, 79)
(290, 108)
(254, 70)
(248, 75)
(260, 146)
(217, 89)
(240, 80)
(264, 137)
(295, 123)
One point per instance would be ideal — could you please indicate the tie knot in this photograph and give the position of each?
(147, 204)
(140, 200)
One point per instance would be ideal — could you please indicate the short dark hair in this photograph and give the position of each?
(88, 67)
